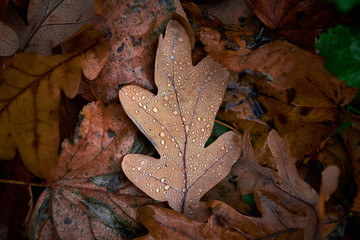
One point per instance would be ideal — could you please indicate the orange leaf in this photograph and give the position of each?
(91, 198)
(178, 121)
(30, 96)
(132, 31)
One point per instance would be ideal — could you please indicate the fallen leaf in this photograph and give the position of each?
(132, 31)
(178, 122)
(30, 96)
(299, 97)
(165, 223)
(299, 22)
(91, 197)
(279, 194)
(51, 22)
(9, 40)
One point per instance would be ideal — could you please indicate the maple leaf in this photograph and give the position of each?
(178, 121)
(91, 197)
(30, 97)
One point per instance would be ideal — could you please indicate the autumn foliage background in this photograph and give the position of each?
(64, 133)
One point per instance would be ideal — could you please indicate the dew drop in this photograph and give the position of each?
(199, 119)
(139, 168)
(162, 142)
(143, 97)
(167, 187)
(207, 125)
(140, 104)
(166, 98)
(137, 111)
(133, 97)
(180, 39)
(172, 139)
(144, 106)
(155, 110)
(162, 180)
(162, 134)
(180, 155)
(184, 189)
(203, 130)
(157, 190)
(172, 56)
(175, 112)
(142, 162)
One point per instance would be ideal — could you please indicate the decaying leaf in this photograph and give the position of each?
(91, 197)
(132, 31)
(298, 22)
(30, 96)
(51, 22)
(299, 97)
(178, 121)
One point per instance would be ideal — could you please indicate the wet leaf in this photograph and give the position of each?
(91, 197)
(178, 122)
(298, 96)
(30, 97)
(51, 22)
(132, 31)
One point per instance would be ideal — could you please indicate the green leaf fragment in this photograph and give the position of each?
(341, 46)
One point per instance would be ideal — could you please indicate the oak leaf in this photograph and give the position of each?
(279, 194)
(30, 97)
(178, 122)
(90, 197)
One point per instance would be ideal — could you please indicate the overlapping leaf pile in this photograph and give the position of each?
(279, 97)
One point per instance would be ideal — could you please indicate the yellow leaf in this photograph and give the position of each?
(30, 86)
(178, 121)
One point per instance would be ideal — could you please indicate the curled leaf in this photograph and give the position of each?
(178, 121)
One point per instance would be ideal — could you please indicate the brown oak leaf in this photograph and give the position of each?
(91, 197)
(30, 97)
(282, 197)
(178, 122)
